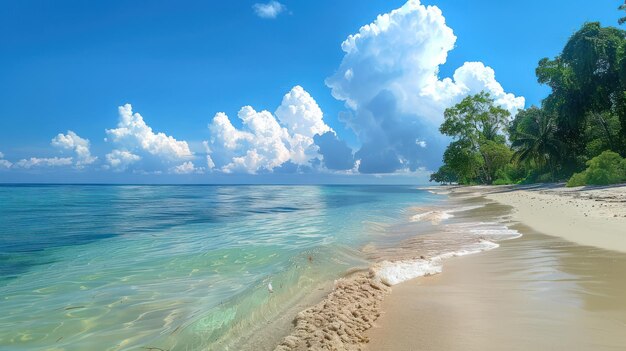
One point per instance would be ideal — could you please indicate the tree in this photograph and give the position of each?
(478, 149)
(534, 139)
(495, 156)
(622, 7)
(586, 78)
(602, 132)
(444, 175)
(460, 159)
(474, 118)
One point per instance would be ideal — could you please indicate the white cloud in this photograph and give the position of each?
(187, 168)
(266, 142)
(420, 143)
(4, 163)
(44, 162)
(132, 133)
(300, 113)
(209, 161)
(389, 78)
(269, 10)
(266, 148)
(121, 159)
(71, 141)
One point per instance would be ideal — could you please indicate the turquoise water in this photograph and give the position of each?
(175, 267)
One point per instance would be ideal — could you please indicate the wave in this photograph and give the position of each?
(436, 216)
(394, 272)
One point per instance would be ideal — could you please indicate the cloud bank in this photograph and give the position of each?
(388, 78)
(44, 162)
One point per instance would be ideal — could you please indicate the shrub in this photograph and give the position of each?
(544, 178)
(578, 179)
(606, 168)
(501, 181)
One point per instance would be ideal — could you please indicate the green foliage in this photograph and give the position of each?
(581, 123)
(587, 78)
(501, 181)
(602, 132)
(444, 175)
(534, 139)
(475, 118)
(511, 173)
(495, 156)
(578, 179)
(462, 161)
(478, 149)
(606, 168)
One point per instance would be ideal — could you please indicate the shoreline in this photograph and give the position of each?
(348, 318)
(438, 232)
(529, 293)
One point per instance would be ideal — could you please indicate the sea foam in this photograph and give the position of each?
(395, 272)
(436, 216)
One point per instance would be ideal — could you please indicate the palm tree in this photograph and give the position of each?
(537, 142)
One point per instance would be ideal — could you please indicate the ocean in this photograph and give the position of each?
(129, 267)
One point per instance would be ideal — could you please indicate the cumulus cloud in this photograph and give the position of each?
(187, 168)
(268, 140)
(80, 146)
(336, 154)
(135, 140)
(300, 113)
(209, 161)
(44, 162)
(133, 133)
(269, 10)
(389, 80)
(119, 160)
(4, 163)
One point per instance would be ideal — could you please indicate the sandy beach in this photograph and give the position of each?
(587, 216)
(550, 277)
(559, 287)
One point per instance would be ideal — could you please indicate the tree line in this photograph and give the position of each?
(578, 134)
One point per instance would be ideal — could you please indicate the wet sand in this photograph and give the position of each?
(537, 292)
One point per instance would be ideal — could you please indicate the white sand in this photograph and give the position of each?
(587, 216)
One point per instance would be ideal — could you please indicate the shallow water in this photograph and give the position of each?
(178, 267)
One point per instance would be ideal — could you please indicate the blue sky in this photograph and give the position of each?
(69, 65)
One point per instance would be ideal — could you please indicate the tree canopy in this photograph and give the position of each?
(583, 117)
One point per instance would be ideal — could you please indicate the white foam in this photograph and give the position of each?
(439, 192)
(501, 233)
(432, 216)
(392, 273)
(436, 216)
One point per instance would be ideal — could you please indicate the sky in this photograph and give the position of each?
(293, 91)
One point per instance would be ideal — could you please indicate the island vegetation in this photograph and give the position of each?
(578, 134)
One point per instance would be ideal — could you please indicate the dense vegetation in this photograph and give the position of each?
(578, 132)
